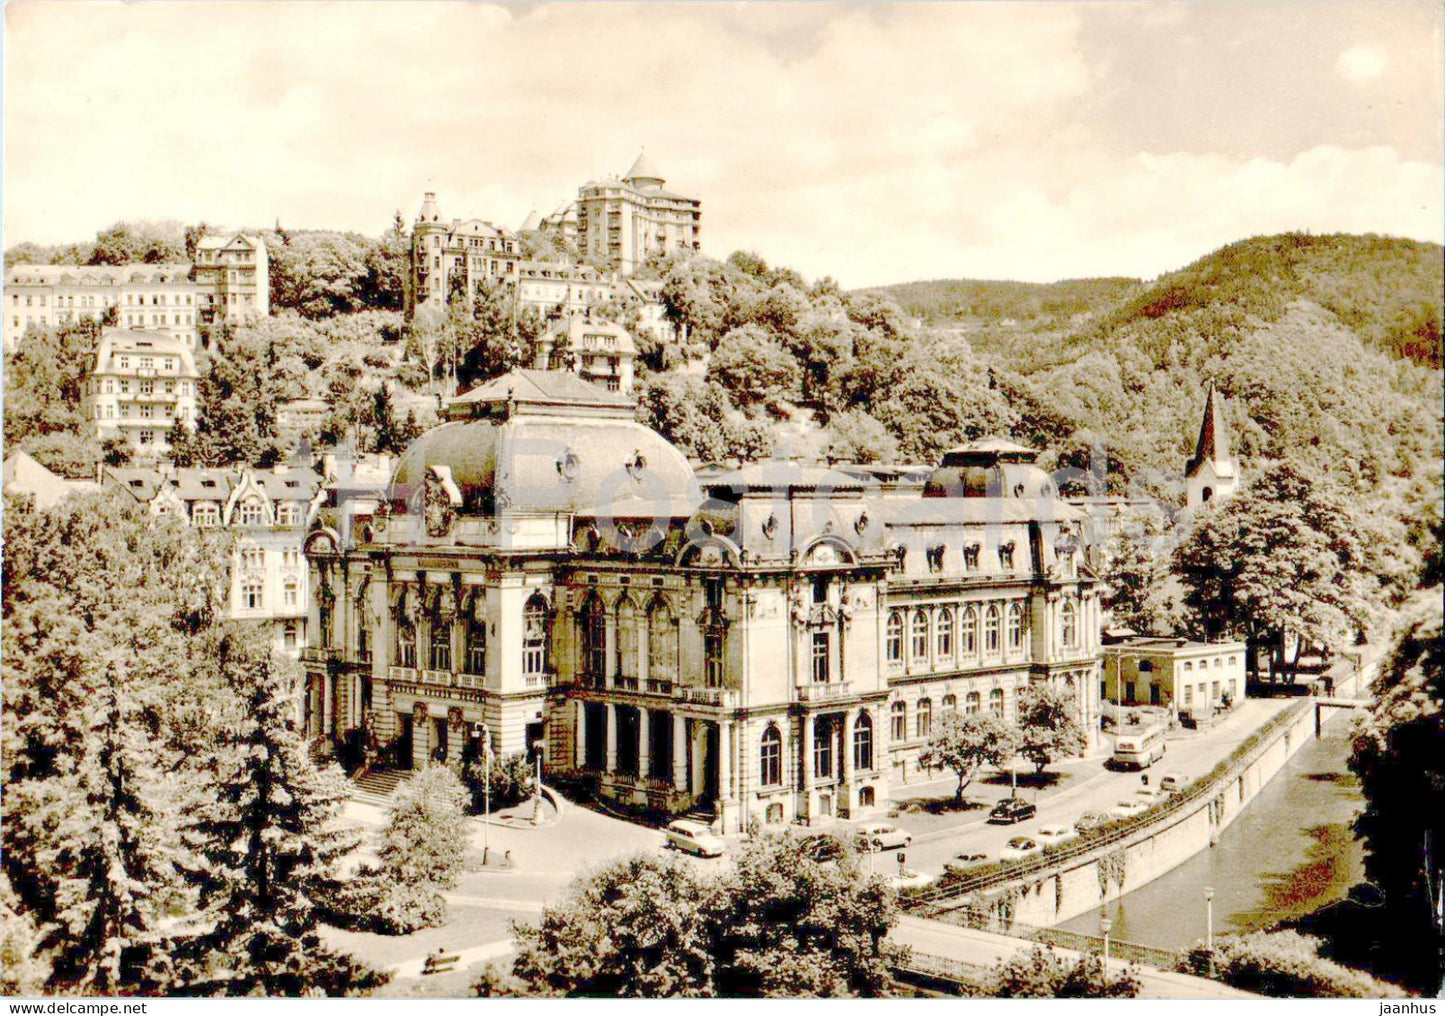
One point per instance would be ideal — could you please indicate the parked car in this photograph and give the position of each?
(910, 879)
(1172, 783)
(694, 838)
(962, 862)
(1149, 796)
(1012, 809)
(1052, 835)
(880, 836)
(822, 848)
(1129, 808)
(1019, 847)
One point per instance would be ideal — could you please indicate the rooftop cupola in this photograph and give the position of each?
(429, 211)
(642, 173)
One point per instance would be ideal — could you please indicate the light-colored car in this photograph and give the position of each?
(910, 879)
(1055, 833)
(1018, 847)
(1150, 796)
(694, 838)
(880, 836)
(1172, 783)
(964, 861)
(1129, 808)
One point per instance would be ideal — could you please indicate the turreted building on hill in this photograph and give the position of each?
(1211, 473)
(621, 223)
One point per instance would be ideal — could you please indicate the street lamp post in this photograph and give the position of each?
(1209, 925)
(479, 731)
(1105, 926)
(537, 786)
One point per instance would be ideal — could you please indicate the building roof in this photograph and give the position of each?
(96, 275)
(529, 390)
(218, 241)
(579, 328)
(780, 475)
(116, 341)
(643, 170)
(531, 222)
(22, 474)
(1213, 444)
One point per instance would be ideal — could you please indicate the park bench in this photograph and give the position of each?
(439, 963)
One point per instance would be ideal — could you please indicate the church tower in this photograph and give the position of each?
(1211, 473)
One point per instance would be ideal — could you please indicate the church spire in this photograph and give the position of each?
(1211, 472)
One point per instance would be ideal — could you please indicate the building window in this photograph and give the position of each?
(206, 514)
(1068, 625)
(894, 641)
(990, 630)
(288, 635)
(995, 701)
(440, 656)
(821, 669)
(823, 735)
(971, 703)
(286, 514)
(1188, 667)
(969, 633)
(288, 596)
(863, 743)
(661, 643)
(920, 635)
(534, 636)
(476, 642)
(943, 635)
(898, 717)
(923, 722)
(712, 653)
(363, 633)
(251, 512)
(594, 639)
(950, 704)
(770, 757)
(251, 595)
(405, 641)
(1015, 628)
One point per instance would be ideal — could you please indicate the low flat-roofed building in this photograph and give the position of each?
(1176, 673)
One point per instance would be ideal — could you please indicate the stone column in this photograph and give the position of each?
(807, 761)
(679, 753)
(611, 738)
(580, 743)
(725, 760)
(644, 745)
(845, 755)
(327, 706)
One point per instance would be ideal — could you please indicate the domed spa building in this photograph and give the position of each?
(776, 645)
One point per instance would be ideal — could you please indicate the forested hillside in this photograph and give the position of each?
(952, 302)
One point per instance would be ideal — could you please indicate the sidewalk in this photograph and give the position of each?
(986, 949)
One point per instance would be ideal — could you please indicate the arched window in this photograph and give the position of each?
(534, 635)
(866, 797)
(770, 757)
(995, 701)
(594, 639)
(894, 643)
(898, 715)
(1206, 494)
(920, 635)
(950, 703)
(440, 655)
(405, 633)
(971, 703)
(990, 630)
(863, 743)
(628, 640)
(661, 643)
(924, 721)
(476, 635)
(1068, 625)
(969, 635)
(943, 635)
(1188, 666)
(1015, 628)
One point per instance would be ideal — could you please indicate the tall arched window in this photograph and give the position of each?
(971, 703)
(661, 643)
(628, 640)
(405, 633)
(995, 701)
(898, 721)
(863, 743)
(476, 635)
(920, 635)
(943, 635)
(968, 640)
(439, 656)
(534, 635)
(950, 704)
(924, 721)
(1015, 628)
(990, 630)
(894, 642)
(770, 758)
(594, 638)
(1068, 625)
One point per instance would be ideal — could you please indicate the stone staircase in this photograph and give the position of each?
(375, 786)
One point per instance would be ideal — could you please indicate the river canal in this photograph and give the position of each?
(1290, 852)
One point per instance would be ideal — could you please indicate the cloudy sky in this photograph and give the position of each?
(873, 142)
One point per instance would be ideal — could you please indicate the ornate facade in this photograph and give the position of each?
(775, 645)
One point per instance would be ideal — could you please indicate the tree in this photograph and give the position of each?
(964, 742)
(23, 969)
(388, 268)
(779, 925)
(1280, 560)
(267, 840)
(182, 440)
(754, 368)
(45, 379)
(1049, 729)
(1042, 973)
(1399, 755)
(238, 396)
(425, 839)
(858, 437)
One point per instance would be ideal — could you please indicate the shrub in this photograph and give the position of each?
(425, 840)
(373, 901)
(511, 780)
(1042, 973)
(1285, 964)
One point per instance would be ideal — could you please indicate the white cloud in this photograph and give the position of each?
(1362, 63)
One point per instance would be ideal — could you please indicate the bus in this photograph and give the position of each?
(1139, 749)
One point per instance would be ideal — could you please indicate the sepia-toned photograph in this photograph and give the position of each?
(770, 500)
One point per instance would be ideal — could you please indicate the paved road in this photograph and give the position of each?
(982, 948)
(1093, 788)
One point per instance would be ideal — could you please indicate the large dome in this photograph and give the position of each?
(547, 441)
(991, 467)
